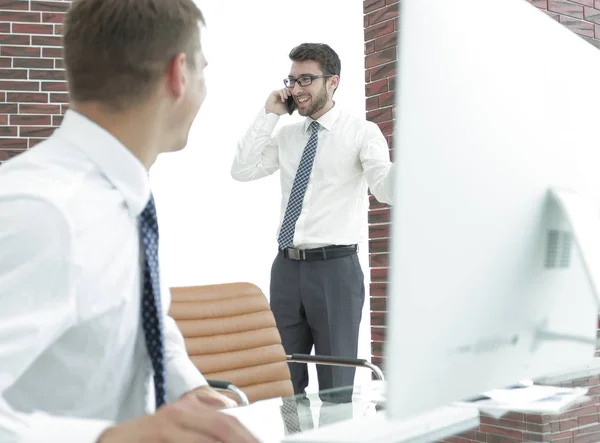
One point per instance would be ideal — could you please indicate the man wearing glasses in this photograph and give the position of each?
(326, 163)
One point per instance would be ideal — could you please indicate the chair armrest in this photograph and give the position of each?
(221, 385)
(336, 361)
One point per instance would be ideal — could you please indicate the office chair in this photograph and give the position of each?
(231, 336)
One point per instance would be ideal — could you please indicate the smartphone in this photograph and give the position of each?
(290, 104)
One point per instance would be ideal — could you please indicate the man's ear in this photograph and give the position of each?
(334, 81)
(176, 75)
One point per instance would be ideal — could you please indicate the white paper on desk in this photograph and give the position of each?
(262, 418)
(534, 399)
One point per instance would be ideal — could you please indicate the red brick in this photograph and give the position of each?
(9, 131)
(379, 275)
(577, 26)
(370, 47)
(30, 120)
(19, 51)
(378, 289)
(379, 260)
(6, 154)
(378, 304)
(510, 433)
(35, 131)
(381, 57)
(39, 109)
(372, 103)
(18, 74)
(5, 62)
(392, 83)
(378, 30)
(378, 318)
(380, 115)
(9, 108)
(372, 5)
(380, 231)
(21, 5)
(64, 107)
(28, 97)
(383, 14)
(378, 333)
(592, 15)
(23, 28)
(19, 86)
(54, 86)
(387, 99)
(59, 63)
(59, 97)
(542, 4)
(58, 29)
(42, 40)
(52, 52)
(56, 6)
(57, 120)
(33, 63)
(383, 71)
(51, 17)
(379, 216)
(4, 27)
(584, 2)
(38, 74)
(386, 41)
(13, 143)
(14, 39)
(376, 88)
(3, 119)
(566, 7)
(18, 16)
(35, 141)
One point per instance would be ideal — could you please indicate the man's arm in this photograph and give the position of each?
(377, 167)
(36, 307)
(257, 153)
(182, 374)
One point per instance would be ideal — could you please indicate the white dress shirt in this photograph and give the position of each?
(73, 358)
(352, 155)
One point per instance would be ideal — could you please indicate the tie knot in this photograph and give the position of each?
(314, 127)
(150, 210)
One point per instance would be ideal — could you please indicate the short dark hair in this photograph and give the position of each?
(321, 53)
(116, 50)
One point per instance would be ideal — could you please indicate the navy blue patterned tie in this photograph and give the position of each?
(151, 304)
(294, 205)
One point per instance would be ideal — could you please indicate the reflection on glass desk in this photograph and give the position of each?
(348, 415)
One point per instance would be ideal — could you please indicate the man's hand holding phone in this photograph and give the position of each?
(280, 102)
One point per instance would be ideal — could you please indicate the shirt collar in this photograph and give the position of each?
(114, 160)
(327, 120)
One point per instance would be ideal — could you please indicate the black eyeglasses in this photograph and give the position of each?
(303, 80)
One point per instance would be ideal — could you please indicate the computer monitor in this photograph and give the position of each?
(497, 105)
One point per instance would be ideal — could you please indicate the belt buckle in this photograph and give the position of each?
(296, 254)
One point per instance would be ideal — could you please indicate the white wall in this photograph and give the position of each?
(213, 228)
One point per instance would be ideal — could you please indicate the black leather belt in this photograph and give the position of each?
(325, 253)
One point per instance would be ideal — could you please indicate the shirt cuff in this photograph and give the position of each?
(182, 377)
(266, 121)
(44, 428)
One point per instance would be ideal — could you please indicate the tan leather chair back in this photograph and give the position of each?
(230, 334)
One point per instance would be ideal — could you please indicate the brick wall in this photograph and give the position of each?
(582, 423)
(33, 94)
(381, 26)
